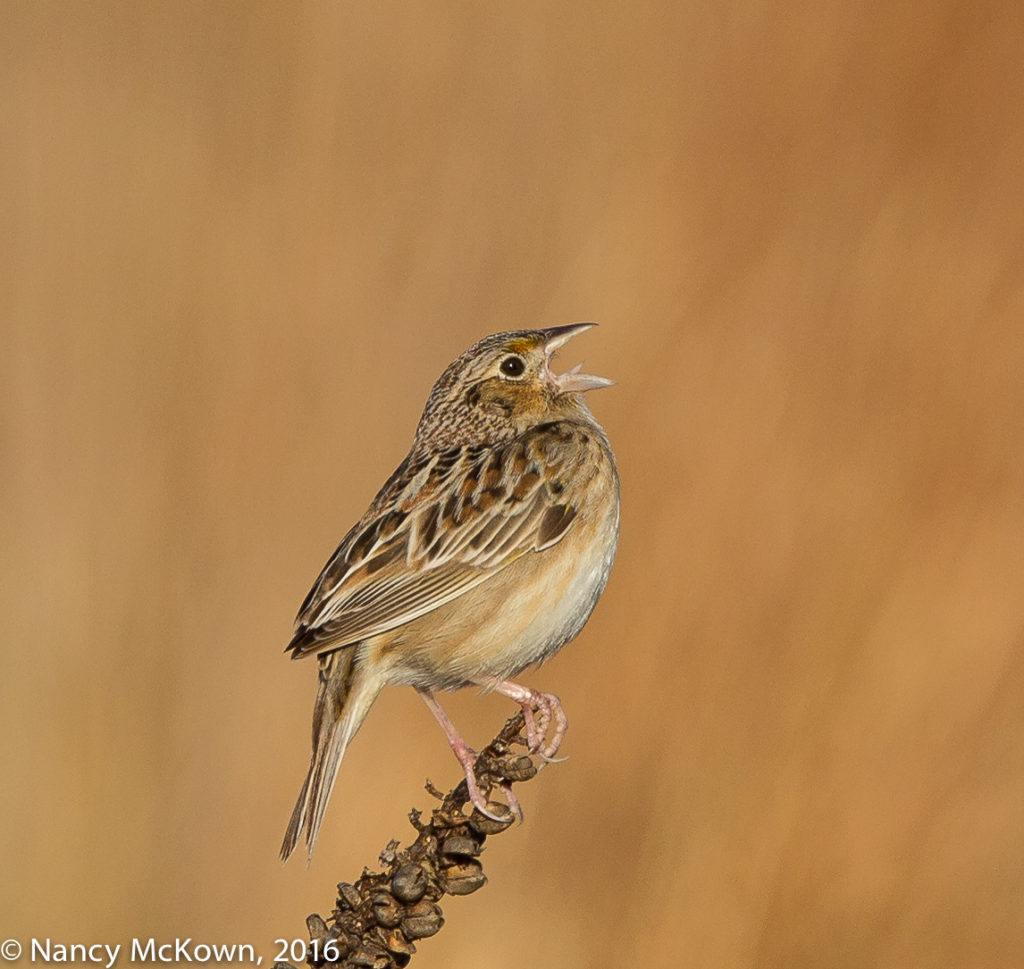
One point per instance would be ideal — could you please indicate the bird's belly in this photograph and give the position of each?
(518, 618)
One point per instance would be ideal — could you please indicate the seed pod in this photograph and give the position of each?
(482, 824)
(317, 928)
(371, 956)
(364, 958)
(460, 845)
(422, 920)
(387, 856)
(386, 910)
(465, 877)
(409, 883)
(398, 946)
(519, 768)
(349, 897)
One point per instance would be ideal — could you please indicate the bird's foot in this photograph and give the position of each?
(467, 757)
(540, 710)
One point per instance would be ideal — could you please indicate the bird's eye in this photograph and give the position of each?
(513, 366)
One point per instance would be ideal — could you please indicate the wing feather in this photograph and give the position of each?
(442, 525)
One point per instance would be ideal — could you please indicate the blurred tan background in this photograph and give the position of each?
(241, 241)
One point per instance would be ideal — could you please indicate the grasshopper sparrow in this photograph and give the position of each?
(483, 554)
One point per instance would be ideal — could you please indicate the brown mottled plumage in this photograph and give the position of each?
(483, 554)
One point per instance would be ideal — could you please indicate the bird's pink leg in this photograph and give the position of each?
(466, 756)
(549, 707)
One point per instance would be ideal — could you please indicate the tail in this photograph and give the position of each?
(343, 699)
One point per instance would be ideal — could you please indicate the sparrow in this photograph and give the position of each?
(483, 554)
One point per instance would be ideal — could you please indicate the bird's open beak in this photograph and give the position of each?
(572, 381)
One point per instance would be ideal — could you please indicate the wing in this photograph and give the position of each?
(443, 524)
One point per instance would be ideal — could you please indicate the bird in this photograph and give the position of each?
(482, 555)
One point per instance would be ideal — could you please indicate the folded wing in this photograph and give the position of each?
(441, 526)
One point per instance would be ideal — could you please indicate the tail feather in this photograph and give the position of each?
(342, 702)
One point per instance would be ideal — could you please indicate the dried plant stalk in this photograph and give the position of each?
(378, 919)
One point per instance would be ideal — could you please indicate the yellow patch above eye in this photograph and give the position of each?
(523, 345)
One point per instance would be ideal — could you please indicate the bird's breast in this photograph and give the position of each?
(522, 615)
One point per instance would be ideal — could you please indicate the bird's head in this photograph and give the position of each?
(504, 385)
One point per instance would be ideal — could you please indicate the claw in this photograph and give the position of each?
(477, 799)
(535, 732)
(549, 708)
(513, 802)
